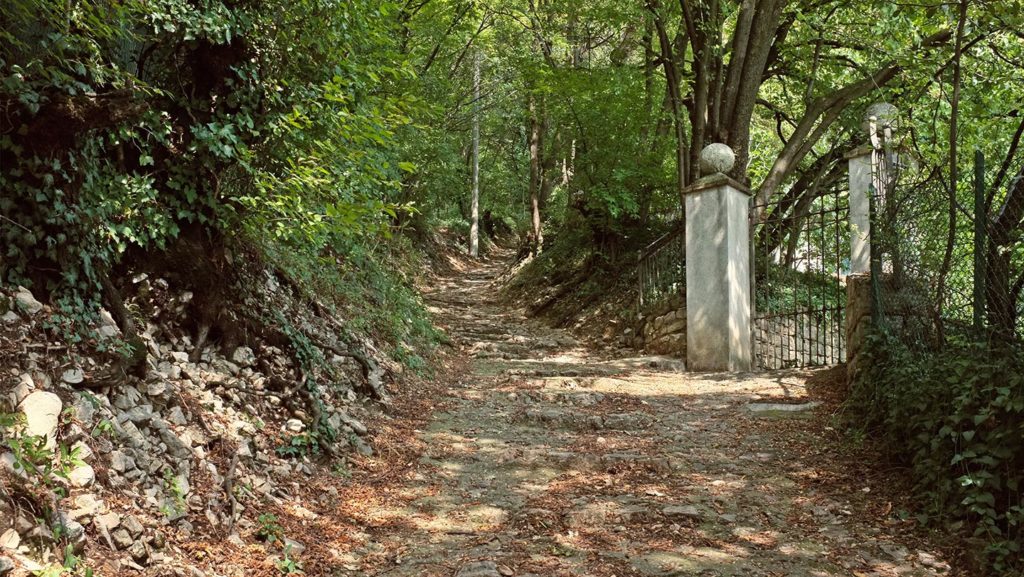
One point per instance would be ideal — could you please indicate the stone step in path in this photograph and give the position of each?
(545, 459)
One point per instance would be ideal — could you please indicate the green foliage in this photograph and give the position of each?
(289, 566)
(957, 418)
(176, 505)
(126, 122)
(368, 283)
(784, 289)
(305, 444)
(72, 565)
(269, 529)
(48, 466)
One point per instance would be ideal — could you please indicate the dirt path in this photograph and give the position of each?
(548, 461)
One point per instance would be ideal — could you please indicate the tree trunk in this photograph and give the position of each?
(1004, 232)
(536, 141)
(672, 81)
(474, 228)
(954, 173)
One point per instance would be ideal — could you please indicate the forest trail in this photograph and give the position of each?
(542, 459)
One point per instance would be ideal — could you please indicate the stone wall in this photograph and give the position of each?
(662, 328)
(858, 322)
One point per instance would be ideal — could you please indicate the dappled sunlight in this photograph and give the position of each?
(549, 461)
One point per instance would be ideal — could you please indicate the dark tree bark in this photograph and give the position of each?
(536, 175)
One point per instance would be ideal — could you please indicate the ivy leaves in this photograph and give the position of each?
(958, 418)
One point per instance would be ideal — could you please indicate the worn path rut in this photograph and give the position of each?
(550, 460)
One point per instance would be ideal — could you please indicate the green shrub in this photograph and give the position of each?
(956, 417)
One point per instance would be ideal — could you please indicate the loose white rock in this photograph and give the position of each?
(10, 540)
(73, 376)
(244, 356)
(42, 415)
(7, 462)
(27, 302)
(156, 388)
(23, 389)
(109, 521)
(82, 476)
(121, 462)
(294, 426)
(176, 416)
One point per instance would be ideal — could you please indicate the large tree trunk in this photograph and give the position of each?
(536, 176)
(756, 28)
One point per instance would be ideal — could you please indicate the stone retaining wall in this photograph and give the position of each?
(801, 339)
(662, 329)
(858, 322)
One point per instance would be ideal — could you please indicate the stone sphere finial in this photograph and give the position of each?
(886, 116)
(715, 158)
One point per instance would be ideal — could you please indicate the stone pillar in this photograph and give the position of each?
(718, 334)
(860, 209)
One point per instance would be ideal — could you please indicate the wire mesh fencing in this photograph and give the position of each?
(947, 262)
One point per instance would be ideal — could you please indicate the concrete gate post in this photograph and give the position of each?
(871, 170)
(859, 162)
(718, 335)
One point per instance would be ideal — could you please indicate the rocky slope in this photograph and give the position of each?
(116, 475)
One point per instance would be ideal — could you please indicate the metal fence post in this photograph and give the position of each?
(980, 229)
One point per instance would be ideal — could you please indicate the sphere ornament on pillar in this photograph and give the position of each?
(716, 158)
(885, 115)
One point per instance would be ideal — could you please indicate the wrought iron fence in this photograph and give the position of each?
(801, 256)
(661, 267)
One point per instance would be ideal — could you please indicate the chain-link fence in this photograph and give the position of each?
(941, 383)
(947, 263)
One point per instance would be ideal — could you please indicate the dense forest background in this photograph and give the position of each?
(329, 140)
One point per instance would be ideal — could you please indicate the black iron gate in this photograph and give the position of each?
(800, 257)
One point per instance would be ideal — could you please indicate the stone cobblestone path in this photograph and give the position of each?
(550, 460)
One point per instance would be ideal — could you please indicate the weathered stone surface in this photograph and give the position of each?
(82, 476)
(23, 389)
(684, 512)
(133, 526)
(244, 357)
(121, 462)
(10, 540)
(73, 376)
(109, 521)
(176, 416)
(479, 569)
(42, 415)
(25, 301)
(716, 158)
(121, 538)
(781, 409)
(885, 114)
(86, 506)
(9, 462)
(138, 552)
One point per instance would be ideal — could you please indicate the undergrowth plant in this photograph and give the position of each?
(42, 464)
(956, 417)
